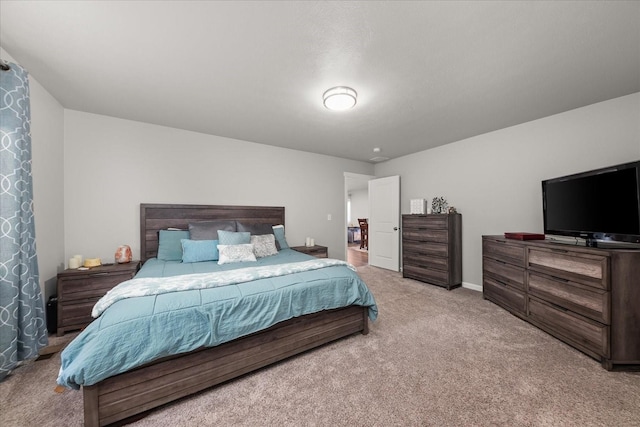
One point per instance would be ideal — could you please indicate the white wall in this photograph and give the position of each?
(113, 165)
(494, 180)
(359, 205)
(47, 166)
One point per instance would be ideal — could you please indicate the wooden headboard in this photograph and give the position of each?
(155, 217)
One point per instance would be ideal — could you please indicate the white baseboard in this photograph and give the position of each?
(472, 286)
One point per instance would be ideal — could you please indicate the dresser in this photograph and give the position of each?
(586, 297)
(79, 290)
(432, 249)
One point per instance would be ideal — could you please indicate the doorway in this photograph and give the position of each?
(357, 206)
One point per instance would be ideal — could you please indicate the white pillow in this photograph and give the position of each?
(236, 253)
(264, 245)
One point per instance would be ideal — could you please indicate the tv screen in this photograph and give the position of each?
(602, 204)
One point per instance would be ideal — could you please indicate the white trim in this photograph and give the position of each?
(472, 286)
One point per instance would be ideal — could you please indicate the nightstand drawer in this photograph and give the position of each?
(91, 286)
(78, 315)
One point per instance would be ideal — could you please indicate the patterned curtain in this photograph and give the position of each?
(23, 329)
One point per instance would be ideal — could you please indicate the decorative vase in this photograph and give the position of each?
(123, 254)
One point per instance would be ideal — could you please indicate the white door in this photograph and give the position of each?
(384, 222)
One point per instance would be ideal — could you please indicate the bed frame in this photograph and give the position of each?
(134, 392)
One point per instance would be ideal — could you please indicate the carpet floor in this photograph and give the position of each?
(433, 358)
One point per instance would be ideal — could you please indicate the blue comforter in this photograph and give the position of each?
(135, 331)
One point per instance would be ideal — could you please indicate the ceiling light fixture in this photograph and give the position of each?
(339, 98)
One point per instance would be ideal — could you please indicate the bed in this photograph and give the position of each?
(159, 363)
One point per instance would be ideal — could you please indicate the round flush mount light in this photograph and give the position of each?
(339, 98)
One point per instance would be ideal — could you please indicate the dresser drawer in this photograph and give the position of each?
(425, 221)
(585, 268)
(496, 249)
(425, 248)
(585, 300)
(89, 286)
(425, 274)
(425, 235)
(504, 296)
(507, 273)
(419, 260)
(592, 337)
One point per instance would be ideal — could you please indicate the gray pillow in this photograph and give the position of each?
(255, 228)
(208, 230)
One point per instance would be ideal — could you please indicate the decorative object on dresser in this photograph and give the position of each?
(439, 205)
(418, 206)
(315, 250)
(432, 249)
(586, 297)
(123, 254)
(92, 262)
(79, 290)
(524, 236)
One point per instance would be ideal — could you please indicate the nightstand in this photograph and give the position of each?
(79, 290)
(317, 250)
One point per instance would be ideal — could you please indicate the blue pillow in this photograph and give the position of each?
(278, 230)
(199, 250)
(233, 237)
(169, 246)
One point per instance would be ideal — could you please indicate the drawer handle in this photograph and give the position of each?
(99, 274)
(500, 282)
(557, 307)
(562, 251)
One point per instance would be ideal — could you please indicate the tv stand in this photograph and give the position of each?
(587, 297)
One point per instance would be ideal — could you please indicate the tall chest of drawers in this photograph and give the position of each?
(586, 297)
(432, 249)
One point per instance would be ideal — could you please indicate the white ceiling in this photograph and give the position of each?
(427, 73)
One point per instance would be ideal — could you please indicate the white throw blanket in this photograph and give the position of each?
(144, 286)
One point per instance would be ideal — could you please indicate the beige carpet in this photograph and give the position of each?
(433, 358)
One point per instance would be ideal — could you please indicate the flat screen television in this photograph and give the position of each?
(598, 205)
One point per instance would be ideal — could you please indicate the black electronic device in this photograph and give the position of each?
(597, 205)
